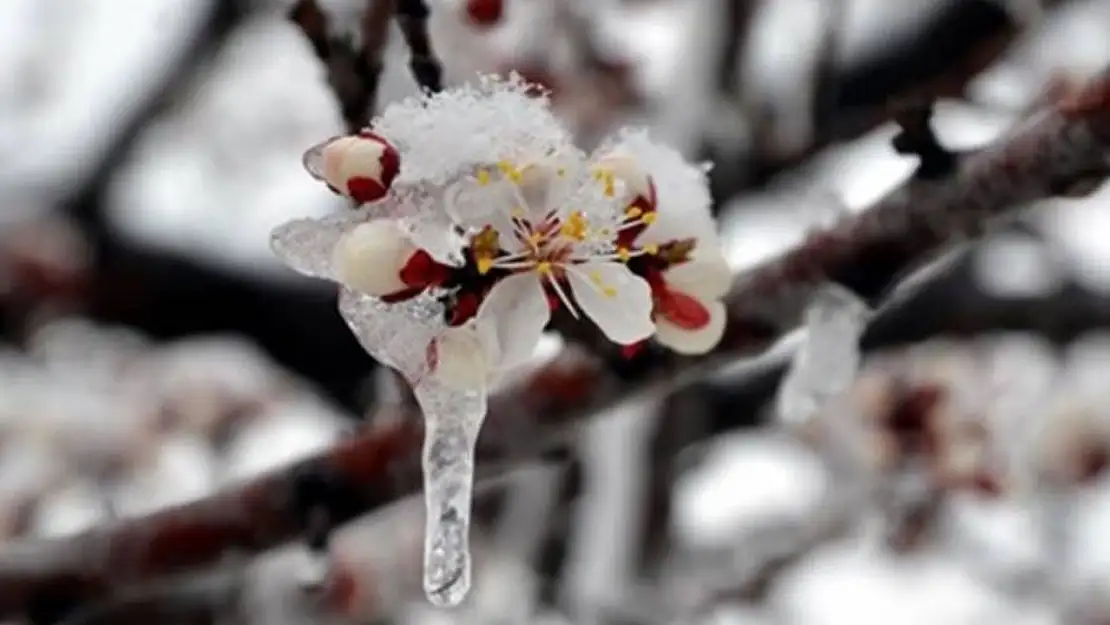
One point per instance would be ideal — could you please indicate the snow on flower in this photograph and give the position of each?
(479, 217)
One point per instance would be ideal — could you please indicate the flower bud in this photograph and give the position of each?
(361, 167)
(459, 359)
(369, 258)
(484, 13)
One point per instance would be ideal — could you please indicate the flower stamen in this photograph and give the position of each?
(576, 226)
(511, 172)
(562, 295)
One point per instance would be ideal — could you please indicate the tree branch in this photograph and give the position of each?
(353, 74)
(412, 16)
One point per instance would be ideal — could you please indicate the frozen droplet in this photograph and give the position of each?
(453, 420)
(827, 362)
(313, 159)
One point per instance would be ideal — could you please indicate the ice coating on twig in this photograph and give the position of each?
(827, 362)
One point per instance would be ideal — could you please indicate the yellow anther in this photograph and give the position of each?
(511, 172)
(610, 188)
(575, 227)
(562, 171)
(535, 238)
(624, 254)
(633, 212)
(543, 268)
(651, 248)
(485, 263)
(483, 177)
(517, 213)
(609, 291)
(649, 218)
(595, 277)
(486, 245)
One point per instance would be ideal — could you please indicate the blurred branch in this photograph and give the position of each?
(353, 74)
(939, 60)
(412, 16)
(737, 26)
(198, 600)
(824, 80)
(1057, 150)
(1061, 146)
(221, 21)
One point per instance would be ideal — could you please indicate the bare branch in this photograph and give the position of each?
(353, 75)
(412, 16)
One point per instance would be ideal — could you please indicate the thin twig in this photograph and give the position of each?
(412, 17)
(353, 74)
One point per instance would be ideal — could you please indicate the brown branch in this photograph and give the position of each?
(412, 16)
(353, 74)
(198, 600)
(1059, 147)
(1056, 150)
(939, 60)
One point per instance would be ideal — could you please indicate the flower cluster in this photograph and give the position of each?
(479, 217)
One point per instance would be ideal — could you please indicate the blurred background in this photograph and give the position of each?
(152, 349)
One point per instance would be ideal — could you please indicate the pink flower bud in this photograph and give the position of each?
(484, 13)
(361, 167)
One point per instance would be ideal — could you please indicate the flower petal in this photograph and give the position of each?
(542, 185)
(617, 300)
(515, 312)
(369, 257)
(682, 310)
(694, 342)
(706, 275)
(632, 180)
(681, 188)
(461, 358)
(475, 205)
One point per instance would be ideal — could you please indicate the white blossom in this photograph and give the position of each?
(481, 217)
(689, 314)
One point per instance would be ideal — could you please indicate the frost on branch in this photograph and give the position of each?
(827, 362)
(478, 217)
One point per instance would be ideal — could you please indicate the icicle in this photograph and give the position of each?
(827, 362)
(452, 421)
